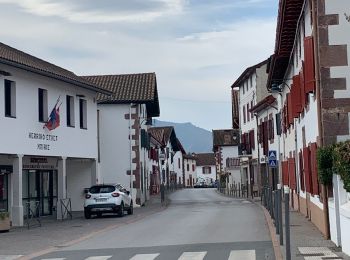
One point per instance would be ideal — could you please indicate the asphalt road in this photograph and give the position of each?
(198, 224)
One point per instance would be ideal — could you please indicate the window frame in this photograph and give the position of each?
(70, 111)
(43, 114)
(9, 98)
(83, 113)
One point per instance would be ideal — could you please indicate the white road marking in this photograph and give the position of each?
(144, 257)
(242, 254)
(9, 257)
(52, 259)
(192, 256)
(323, 251)
(102, 257)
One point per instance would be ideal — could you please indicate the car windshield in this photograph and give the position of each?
(102, 189)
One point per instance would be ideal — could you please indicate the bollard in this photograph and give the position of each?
(280, 217)
(287, 224)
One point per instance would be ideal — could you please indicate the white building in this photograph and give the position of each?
(169, 146)
(190, 170)
(179, 165)
(225, 146)
(123, 138)
(39, 165)
(205, 170)
(250, 87)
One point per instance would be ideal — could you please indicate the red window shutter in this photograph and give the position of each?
(292, 177)
(302, 88)
(244, 118)
(289, 109)
(309, 73)
(266, 141)
(252, 139)
(301, 171)
(285, 177)
(248, 113)
(297, 96)
(314, 174)
(307, 169)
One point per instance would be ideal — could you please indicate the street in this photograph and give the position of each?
(198, 224)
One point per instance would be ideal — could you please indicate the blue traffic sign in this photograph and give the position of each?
(272, 158)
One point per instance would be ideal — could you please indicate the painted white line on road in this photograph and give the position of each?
(9, 257)
(144, 257)
(323, 251)
(242, 254)
(192, 256)
(101, 257)
(52, 259)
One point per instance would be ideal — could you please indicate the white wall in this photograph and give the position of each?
(177, 169)
(190, 171)
(208, 177)
(71, 141)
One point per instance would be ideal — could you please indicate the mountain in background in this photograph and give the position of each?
(193, 138)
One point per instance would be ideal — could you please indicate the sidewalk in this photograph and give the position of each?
(55, 234)
(307, 242)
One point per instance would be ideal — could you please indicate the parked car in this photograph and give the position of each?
(107, 198)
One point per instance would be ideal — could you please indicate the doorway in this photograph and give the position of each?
(3, 192)
(40, 186)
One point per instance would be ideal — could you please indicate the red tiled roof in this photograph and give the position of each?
(16, 58)
(204, 159)
(129, 88)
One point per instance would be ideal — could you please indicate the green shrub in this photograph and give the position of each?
(325, 164)
(342, 162)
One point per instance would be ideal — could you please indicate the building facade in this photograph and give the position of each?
(190, 170)
(205, 168)
(49, 136)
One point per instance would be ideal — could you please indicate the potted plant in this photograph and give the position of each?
(4, 221)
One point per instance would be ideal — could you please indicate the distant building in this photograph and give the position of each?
(190, 170)
(226, 147)
(205, 163)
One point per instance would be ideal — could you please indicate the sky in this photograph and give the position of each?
(197, 48)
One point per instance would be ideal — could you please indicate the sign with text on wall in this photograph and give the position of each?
(44, 140)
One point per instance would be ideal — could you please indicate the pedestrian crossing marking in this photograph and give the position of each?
(52, 259)
(323, 252)
(192, 256)
(105, 257)
(144, 257)
(242, 254)
(9, 257)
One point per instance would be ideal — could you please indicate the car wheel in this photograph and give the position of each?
(87, 214)
(131, 209)
(121, 210)
(99, 214)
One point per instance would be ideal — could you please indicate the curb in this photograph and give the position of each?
(87, 236)
(275, 241)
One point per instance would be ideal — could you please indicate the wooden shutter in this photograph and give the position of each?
(307, 170)
(244, 115)
(297, 96)
(252, 139)
(309, 73)
(266, 141)
(302, 88)
(285, 175)
(290, 109)
(301, 171)
(292, 178)
(314, 174)
(248, 113)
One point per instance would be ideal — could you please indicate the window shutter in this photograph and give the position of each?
(309, 73)
(278, 123)
(301, 171)
(248, 113)
(244, 118)
(209, 169)
(252, 139)
(292, 177)
(285, 177)
(307, 174)
(302, 88)
(290, 109)
(266, 141)
(297, 96)
(314, 175)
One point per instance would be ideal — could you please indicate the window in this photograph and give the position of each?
(193, 167)
(248, 113)
(206, 170)
(188, 167)
(10, 98)
(179, 162)
(244, 115)
(42, 105)
(83, 113)
(70, 111)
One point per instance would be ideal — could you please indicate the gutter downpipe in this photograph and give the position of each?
(130, 153)
(319, 108)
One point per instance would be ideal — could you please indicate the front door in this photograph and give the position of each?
(40, 186)
(3, 192)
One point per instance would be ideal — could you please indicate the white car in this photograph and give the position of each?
(107, 198)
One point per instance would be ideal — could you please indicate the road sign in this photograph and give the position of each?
(272, 158)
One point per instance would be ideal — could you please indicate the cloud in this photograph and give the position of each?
(102, 11)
